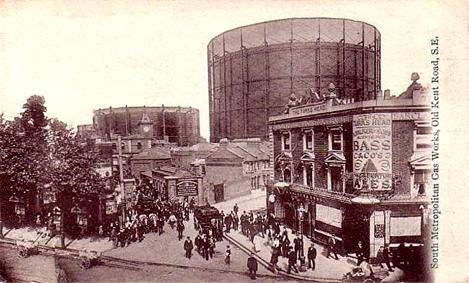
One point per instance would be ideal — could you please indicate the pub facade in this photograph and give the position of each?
(355, 171)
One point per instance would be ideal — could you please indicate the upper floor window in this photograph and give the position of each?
(286, 142)
(139, 145)
(422, 136)
(335, 139)
(308, 140)
(308, 175)
(422, 182)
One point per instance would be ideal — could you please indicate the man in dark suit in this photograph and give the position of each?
(298, 243)
(331, 247)
(252, 266)
(292, 260)
(188, 246)
(312, 257)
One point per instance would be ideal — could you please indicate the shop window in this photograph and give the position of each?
(308, 140)
(286, 143)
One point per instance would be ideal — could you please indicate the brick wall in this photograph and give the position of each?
(232, 176)
(277, 149)
(297, 152)
(402, 149)
(348, 146)
(320, 152)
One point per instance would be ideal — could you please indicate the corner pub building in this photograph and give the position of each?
(355, 171)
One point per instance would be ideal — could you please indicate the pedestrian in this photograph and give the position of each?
(228, 255)
(275, 255)
(172, 220)
(228, 221)
(180, 229)
(206, 247)
(188, 246)
(292, 261)
(252, 266)
(360, 253)
(383, 257)
(285, 243)
(331, 247)
(235, 221)
(298, 244)
(235, 208)
(197, 242)
(312, 252)
(211, 246)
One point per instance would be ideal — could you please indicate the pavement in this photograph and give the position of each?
(167, 250)
(327, 269)
(39, 236)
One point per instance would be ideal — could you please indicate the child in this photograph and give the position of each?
(228, 254)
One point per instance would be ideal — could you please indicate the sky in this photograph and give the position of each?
(85, 55)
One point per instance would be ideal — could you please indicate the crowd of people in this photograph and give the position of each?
(256, 226)
(139, 223)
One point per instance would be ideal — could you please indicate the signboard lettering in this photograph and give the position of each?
(372, 151)
(308, 109)
(379, 230)
(111, 206)
(187, 188)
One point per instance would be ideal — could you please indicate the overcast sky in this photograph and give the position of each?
(84, 55)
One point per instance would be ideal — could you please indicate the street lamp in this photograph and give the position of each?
(58, 221)
(301, 214)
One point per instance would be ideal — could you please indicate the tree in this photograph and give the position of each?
(35, 151)
(72, 172)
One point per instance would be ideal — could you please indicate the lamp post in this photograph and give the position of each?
(59, 221)
(301, 213)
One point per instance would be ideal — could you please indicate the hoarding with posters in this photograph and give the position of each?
(372, 152)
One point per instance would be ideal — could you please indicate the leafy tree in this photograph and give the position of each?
(72, 163)
(35, 151)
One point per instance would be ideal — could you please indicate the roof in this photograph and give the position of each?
(246, 150)
(203, 146)
(146, 173)
(174, 172)
(198, 161)
(152, 153)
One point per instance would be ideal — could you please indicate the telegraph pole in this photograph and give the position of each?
(121, 176)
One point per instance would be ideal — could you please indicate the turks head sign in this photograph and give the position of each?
(372, 152)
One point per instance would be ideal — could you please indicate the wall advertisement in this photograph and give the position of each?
(187, 188)
(372, 152)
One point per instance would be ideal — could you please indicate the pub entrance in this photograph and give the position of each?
(356, 227)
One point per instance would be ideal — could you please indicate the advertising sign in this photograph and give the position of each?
(372, 151)
(111, 206)
(187, 188)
